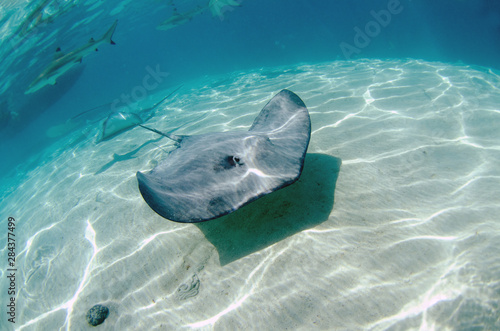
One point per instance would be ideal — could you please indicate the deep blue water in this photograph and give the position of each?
(258, 34)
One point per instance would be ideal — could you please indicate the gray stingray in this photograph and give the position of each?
(213, 174)
(117, 122)
(120, 121)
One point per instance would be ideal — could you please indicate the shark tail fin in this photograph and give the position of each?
(109, 34)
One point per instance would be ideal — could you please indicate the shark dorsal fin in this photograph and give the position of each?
(92, 40)
(58, 54)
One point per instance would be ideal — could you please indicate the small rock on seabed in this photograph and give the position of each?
(97, 314)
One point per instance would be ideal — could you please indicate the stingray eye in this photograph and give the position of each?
(228, 162)
(233, 161)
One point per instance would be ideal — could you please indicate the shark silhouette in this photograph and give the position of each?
(64, 62)
(180, 18)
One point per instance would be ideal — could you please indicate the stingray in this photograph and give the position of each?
(121, 121)
(118, 122)
(214, 174)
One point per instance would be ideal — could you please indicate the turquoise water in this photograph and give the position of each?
(392, 225)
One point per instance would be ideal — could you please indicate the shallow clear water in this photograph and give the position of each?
(392, 225)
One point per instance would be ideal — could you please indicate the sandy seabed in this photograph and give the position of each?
(392, 225)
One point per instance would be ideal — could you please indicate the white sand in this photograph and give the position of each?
(412, 240)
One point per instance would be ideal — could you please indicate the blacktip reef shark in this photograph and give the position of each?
(180, 18)
(64, 62)
(31, 23)
(214, 174)
(34, 19)
(216, 7)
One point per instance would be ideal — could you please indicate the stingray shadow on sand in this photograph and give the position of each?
(279, 215)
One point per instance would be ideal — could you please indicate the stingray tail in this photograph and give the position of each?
(168, 135)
